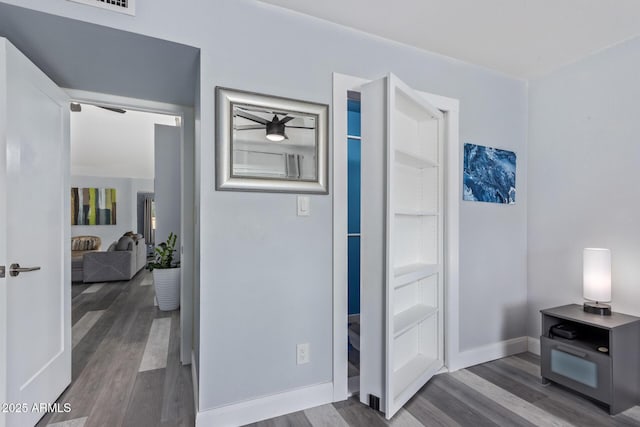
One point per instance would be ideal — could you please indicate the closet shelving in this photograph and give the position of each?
(407, 239)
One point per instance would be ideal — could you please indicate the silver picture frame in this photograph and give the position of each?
(270, 143)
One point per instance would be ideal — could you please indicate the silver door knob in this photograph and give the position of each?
(15, 269)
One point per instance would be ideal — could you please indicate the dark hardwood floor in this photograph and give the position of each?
(505, 393)
(126, 368)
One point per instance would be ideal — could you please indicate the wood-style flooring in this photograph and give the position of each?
(126, 368)
(126, 372)
(505, 393)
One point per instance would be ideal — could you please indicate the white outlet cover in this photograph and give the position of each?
(303, 354)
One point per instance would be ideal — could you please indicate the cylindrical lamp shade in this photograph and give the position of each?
(596, 274)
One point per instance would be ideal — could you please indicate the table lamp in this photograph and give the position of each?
(596, 280)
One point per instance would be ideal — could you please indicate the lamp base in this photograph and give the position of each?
(597, 308)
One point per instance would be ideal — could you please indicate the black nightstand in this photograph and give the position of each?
(602, 362)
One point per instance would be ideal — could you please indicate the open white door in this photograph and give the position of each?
(35, 306)
(402, 319)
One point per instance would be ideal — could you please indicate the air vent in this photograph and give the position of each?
(122, 6)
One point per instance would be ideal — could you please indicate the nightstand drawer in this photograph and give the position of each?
(586, 371)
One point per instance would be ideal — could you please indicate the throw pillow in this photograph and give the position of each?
(112, 247)
(124, 244)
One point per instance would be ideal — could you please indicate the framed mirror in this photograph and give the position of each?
(269, 143)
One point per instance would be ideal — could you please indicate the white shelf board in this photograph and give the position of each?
(403, 393)
(408, 212)
(414, 160)
(406, 274)
(411, 317)
(407, 374)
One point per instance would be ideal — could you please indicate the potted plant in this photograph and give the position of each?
(166, 275)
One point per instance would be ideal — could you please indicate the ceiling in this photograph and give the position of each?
(104, 143)
(522, 38)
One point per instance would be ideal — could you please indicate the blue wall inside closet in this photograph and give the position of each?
(353, 191)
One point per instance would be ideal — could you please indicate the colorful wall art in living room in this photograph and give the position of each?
(489, 174)
(93, 206)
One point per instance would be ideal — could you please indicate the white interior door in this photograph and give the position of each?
(402, 303)
(35, 333)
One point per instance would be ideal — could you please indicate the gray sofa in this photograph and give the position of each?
(121, 261)
(80, 245)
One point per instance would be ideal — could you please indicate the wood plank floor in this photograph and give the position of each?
(126, 372)
(505, 393)
(126, 368)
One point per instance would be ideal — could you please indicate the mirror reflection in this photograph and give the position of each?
(274, 144)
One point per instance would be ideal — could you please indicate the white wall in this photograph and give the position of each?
(583, 178)
(265, 273)
(104, 143)
(126, 191)
(167, 183)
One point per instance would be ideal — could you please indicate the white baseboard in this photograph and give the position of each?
(194, 377)
(266, 407)
(489, 352)
(533, 345)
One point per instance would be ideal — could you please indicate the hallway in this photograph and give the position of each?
(126, 368)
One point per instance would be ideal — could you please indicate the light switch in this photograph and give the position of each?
(304, 206)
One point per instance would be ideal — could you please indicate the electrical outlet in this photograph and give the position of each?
(303, 352)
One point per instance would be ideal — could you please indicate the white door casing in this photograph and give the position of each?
(35, 333)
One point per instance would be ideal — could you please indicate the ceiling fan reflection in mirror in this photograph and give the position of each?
(275, 126)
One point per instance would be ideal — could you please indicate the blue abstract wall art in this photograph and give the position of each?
(489, 174)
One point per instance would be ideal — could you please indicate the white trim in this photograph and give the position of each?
(533, 345)
(341, 84)
(450, 107)
(266, 407)
(125, 102)
(489, 352)
(187, 228)
(194, 379)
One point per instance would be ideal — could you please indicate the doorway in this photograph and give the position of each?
(354, 141)
(185, 179)
(344, 86)
(164, 73)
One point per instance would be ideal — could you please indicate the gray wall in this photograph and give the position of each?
(583, 172)
(265, 273)
(167, 183)
(126, 195)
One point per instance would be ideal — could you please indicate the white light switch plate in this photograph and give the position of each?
(304, 206)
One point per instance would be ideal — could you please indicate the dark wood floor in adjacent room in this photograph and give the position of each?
(126, 360)
(505, 393)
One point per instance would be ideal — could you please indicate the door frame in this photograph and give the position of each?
(187, 210)
(343, 83)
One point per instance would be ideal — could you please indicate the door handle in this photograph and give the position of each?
(15, 269)
(571, 351)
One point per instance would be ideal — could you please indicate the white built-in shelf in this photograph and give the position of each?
(410, 273)
(414, 160)
(408, 212)
(411, 317)
(408, 373)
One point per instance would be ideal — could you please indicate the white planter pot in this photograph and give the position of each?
(166, 282)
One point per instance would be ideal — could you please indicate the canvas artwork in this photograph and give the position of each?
(489, 174)
(93, 206)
